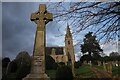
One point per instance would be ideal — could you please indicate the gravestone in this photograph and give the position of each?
(109, 67)
(90, 63)
(104, 66)
(113, 63)
(8, 70)
(84, 62)
(41, 18)
(99, 63)
(53, 51)
(118, 63)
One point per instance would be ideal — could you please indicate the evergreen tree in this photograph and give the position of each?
(91, 45)
(114, 56)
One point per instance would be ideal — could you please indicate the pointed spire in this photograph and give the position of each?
(68, 30)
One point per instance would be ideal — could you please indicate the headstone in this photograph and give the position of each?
(90, 63)
(99, 63)
(104, 66)
(8, 68)
(84, 62)
(116, 63)
(113, 63)
(53, 51)
(11, 67)
(109, 67)
(41, 17)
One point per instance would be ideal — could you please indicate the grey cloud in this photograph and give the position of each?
(18, 32)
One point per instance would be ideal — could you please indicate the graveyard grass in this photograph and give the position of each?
(85, 71)
(116, 70)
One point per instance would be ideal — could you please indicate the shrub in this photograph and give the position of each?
(77, 64)
(64, 73)
(50, 63)
(22, 71)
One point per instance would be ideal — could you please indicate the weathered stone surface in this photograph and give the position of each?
(37, 77)
(58, 54)
(90, 63)
(41, 17)
(99, 63)
(85, 62)
(104, 66)
(69, 48)
(108, 67)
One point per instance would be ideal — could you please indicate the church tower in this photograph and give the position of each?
(69, 48)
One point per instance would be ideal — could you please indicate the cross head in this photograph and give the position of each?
(42, 16)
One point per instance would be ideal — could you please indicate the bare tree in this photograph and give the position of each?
(103, 18)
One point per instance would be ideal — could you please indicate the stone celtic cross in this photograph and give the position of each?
(41, 18)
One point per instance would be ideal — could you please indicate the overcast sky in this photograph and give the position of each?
(18, 31)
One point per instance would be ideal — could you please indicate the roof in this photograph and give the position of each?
(58, 50)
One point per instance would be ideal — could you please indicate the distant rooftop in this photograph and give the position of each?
(58, 50)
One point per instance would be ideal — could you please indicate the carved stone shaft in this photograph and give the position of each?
(41, 17)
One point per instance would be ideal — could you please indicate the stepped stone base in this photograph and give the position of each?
(36, 77)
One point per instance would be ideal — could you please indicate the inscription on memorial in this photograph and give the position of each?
(38, 60)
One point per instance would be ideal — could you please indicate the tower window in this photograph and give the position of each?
(62, 58)
(68, 42)
(57, 59)
(69, 57)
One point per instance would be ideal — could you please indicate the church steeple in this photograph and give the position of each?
(68, 33)
(69, 48)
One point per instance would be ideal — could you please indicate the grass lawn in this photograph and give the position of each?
(98, 67)
(116, 70)
(85, 72)
(82, 72)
